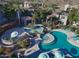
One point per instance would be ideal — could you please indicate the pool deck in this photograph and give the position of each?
(74, 42)
(70, 35)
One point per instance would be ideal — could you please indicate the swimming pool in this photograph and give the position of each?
(61, 42)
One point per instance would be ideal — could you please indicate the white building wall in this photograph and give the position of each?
(63, 19)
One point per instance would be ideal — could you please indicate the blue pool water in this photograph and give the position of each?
(61, 42)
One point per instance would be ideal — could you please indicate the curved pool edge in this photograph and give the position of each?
(67, 45)
(69, 36)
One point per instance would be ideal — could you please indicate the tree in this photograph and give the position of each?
(14, 4)
(1, 50)
(10, 9)
(8, 12)
(48, 5)
(45, 10)
(73, 15)
(23, 43)
(54, 7)
(40, 14)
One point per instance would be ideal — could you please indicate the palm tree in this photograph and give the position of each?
(54, 7)
(10, 9)
(73, 15)
(45, 10)
(16, 6)
(8, 12)
(40, 14)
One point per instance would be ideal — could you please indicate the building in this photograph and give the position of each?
(27, 4)
(63, 18)
(26, 20)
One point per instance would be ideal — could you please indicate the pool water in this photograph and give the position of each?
(61, 42)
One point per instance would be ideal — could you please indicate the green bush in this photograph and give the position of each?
(1, 49)
(23, 43)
